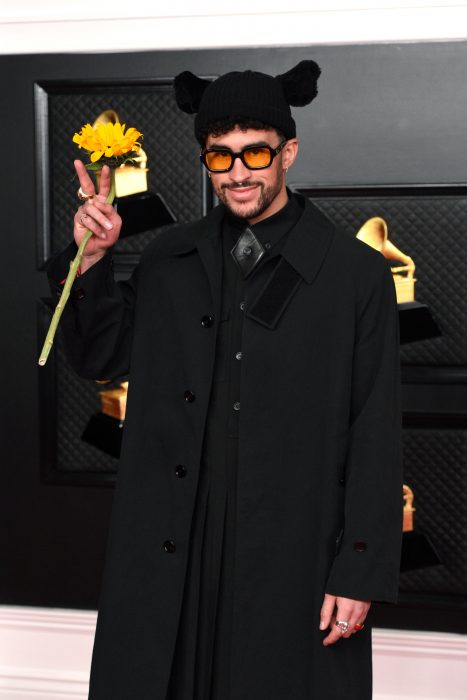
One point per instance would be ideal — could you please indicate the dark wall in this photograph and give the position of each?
(385, 114)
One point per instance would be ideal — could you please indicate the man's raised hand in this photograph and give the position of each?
(97, 216)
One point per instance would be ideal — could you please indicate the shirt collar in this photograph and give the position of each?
(271, 230)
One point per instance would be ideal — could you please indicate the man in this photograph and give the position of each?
(258, 505)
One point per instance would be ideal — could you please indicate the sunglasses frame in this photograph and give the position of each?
(273, 152)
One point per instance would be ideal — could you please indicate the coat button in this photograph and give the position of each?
(79, 293)
(360, 546)
(180, 471)
(189, 396)
(238, 355)
(242, 306)
(236, 406)
(169, 546)
(207, 321)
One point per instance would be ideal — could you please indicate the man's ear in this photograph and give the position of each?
(189, 90)
(289, 153)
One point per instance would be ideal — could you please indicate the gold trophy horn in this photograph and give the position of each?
(374, 233)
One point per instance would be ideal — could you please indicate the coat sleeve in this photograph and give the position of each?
(97, 322)
(366, 566)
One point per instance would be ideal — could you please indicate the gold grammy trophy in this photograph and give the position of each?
(409, 510)
(417, 550)
(113, 401)
(374, 232)
(415, 319)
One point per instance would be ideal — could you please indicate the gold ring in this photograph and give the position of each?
(83, 196)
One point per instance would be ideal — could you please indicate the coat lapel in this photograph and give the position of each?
(210, 252)
(205, 238)
(301, 259)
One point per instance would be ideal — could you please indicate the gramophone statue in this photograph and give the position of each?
(104, 430)
(374, 232)
(417, 550)
(113, 401)
(416, 321)
(141, 209)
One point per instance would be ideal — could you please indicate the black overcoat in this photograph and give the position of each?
(319, 470)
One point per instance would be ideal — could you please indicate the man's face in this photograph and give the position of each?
(251, 194)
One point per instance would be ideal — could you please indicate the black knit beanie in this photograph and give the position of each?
(246, 96)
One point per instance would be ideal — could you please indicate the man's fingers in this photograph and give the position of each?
(327, 609)
(348, 611)
(83, 220)
(358, 616)
(94, 212)
(104, 184)
(85, 181)
(335, 633)
(343, 614)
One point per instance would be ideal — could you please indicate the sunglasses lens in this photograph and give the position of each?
(257, 157)
(218, 160)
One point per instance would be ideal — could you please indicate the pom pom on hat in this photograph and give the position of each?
(300, 84)
(189, 89)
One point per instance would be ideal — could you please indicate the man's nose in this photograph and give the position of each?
(239, 171)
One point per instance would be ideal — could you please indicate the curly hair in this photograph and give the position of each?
(223, 126)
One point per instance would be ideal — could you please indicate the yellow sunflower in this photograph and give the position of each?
(108, 140)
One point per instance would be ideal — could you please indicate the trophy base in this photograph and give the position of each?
(142, 212)
(105, 433)
(417, 552)
(416, 322)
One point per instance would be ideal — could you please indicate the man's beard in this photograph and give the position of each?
(267, 195)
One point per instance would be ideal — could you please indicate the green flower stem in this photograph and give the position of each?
(74, 265)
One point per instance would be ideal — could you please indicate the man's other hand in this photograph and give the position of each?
(336, 608)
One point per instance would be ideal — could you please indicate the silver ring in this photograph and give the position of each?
(83, 196)
(343, 625)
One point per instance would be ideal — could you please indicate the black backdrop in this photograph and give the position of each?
(385, 115)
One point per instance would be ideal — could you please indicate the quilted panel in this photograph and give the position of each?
(435, 467)
(432, 230)
(174, 167)
(77, 400)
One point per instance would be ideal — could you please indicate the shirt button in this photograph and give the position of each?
(169, 546)
(242, 305)
(189, 396)
(207, 321)
(180, 471)
(238, 355)
(247, 250)
(267, 246)
(360, 546)
(236, 406)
